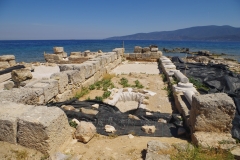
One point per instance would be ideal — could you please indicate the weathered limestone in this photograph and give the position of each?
(9, 114)
(119, 51)
(58, 49)
(109, 129)
(49, 87)
(188, 94)
(85, 131)
(7, 61)
(75, 77)
(62, 79)
(20, 75)
(65, 67)
(149, 129)
(212, 113)
(23, 95)
(137, 49)
(44, 129)
(213, 139)
(88, 82)
(89, 69)
(64, 96)
(157, 150)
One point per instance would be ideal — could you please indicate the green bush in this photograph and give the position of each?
(124, 82)
(73, 124)
(92, 87)
(198, 84)
(99, 98)
(106, 94)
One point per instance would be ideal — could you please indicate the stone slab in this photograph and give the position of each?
(62, 79)
(75, 77)
(44, 129)
(9, 113)
(212, 113)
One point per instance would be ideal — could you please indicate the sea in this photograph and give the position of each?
(33, 50)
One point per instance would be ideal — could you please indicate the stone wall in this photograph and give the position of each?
(63, 85)
(151, 54)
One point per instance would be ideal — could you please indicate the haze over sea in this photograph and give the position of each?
(32, 50)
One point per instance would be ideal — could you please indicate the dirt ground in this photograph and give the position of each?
(109, 148)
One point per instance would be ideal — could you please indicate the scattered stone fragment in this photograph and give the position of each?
(8, 85)
(95, 106)
(149, 113)
(162, 120)
(85, 131)
(145, 101)
(133, 117)
(183, 146)
(130, 136)
(109, 129)
(89, 111)
(236, 153)
(68, 107)
(20, 75)
(149, 129)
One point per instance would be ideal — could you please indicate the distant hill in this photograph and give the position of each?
(200, 33)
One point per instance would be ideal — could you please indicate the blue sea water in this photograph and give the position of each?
(32, 50)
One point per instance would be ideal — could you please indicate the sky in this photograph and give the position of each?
(99, 19)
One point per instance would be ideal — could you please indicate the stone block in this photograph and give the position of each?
(12, 63)
(77, 59)
(90, 69)
(58, 49)
(62, 79)
(126, 55)
(96, 64)
(20, 75)
(212, 139)
(156, 55)
(212, 113)
(154, 49)
(7, 57)
(65, 67)
(44, 129)
(88, 82)
(22, 95)
(4, 65)
(146, 56)
(75, 77)
(97, 76)
(8, 85)
(112, 55)
(97, 59)
(85, 131)
(119, 51)
(107, 58)
(137, 49)
(77, 54)
(132, 56)
(49, 87)
(64, 96)
(146, 50)
(138, 55)
(9, 113)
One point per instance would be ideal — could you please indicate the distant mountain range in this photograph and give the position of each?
(199, 33)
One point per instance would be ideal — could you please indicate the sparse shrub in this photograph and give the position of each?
(138, 84)
(106, 94)
(108, 76)
(198, 84)
(124, 82)
(73, 124)
(92, 87)
(164, 78)
(99, 98)
(82, 93)
(20, 155)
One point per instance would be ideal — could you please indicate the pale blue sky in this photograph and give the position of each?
(97, 19)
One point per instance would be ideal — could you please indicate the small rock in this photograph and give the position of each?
(8, 85)
(149, 129)
(133, 117)
(130, 136)
(145, 101)
(111, 97)
(20, 75)
(109, 129)
(149, 113)
(68, 107)
(181, 131)
(85, 131)
(162, 120)
(236, 153)
(89, 111)
(100, 51)
(95, 106)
